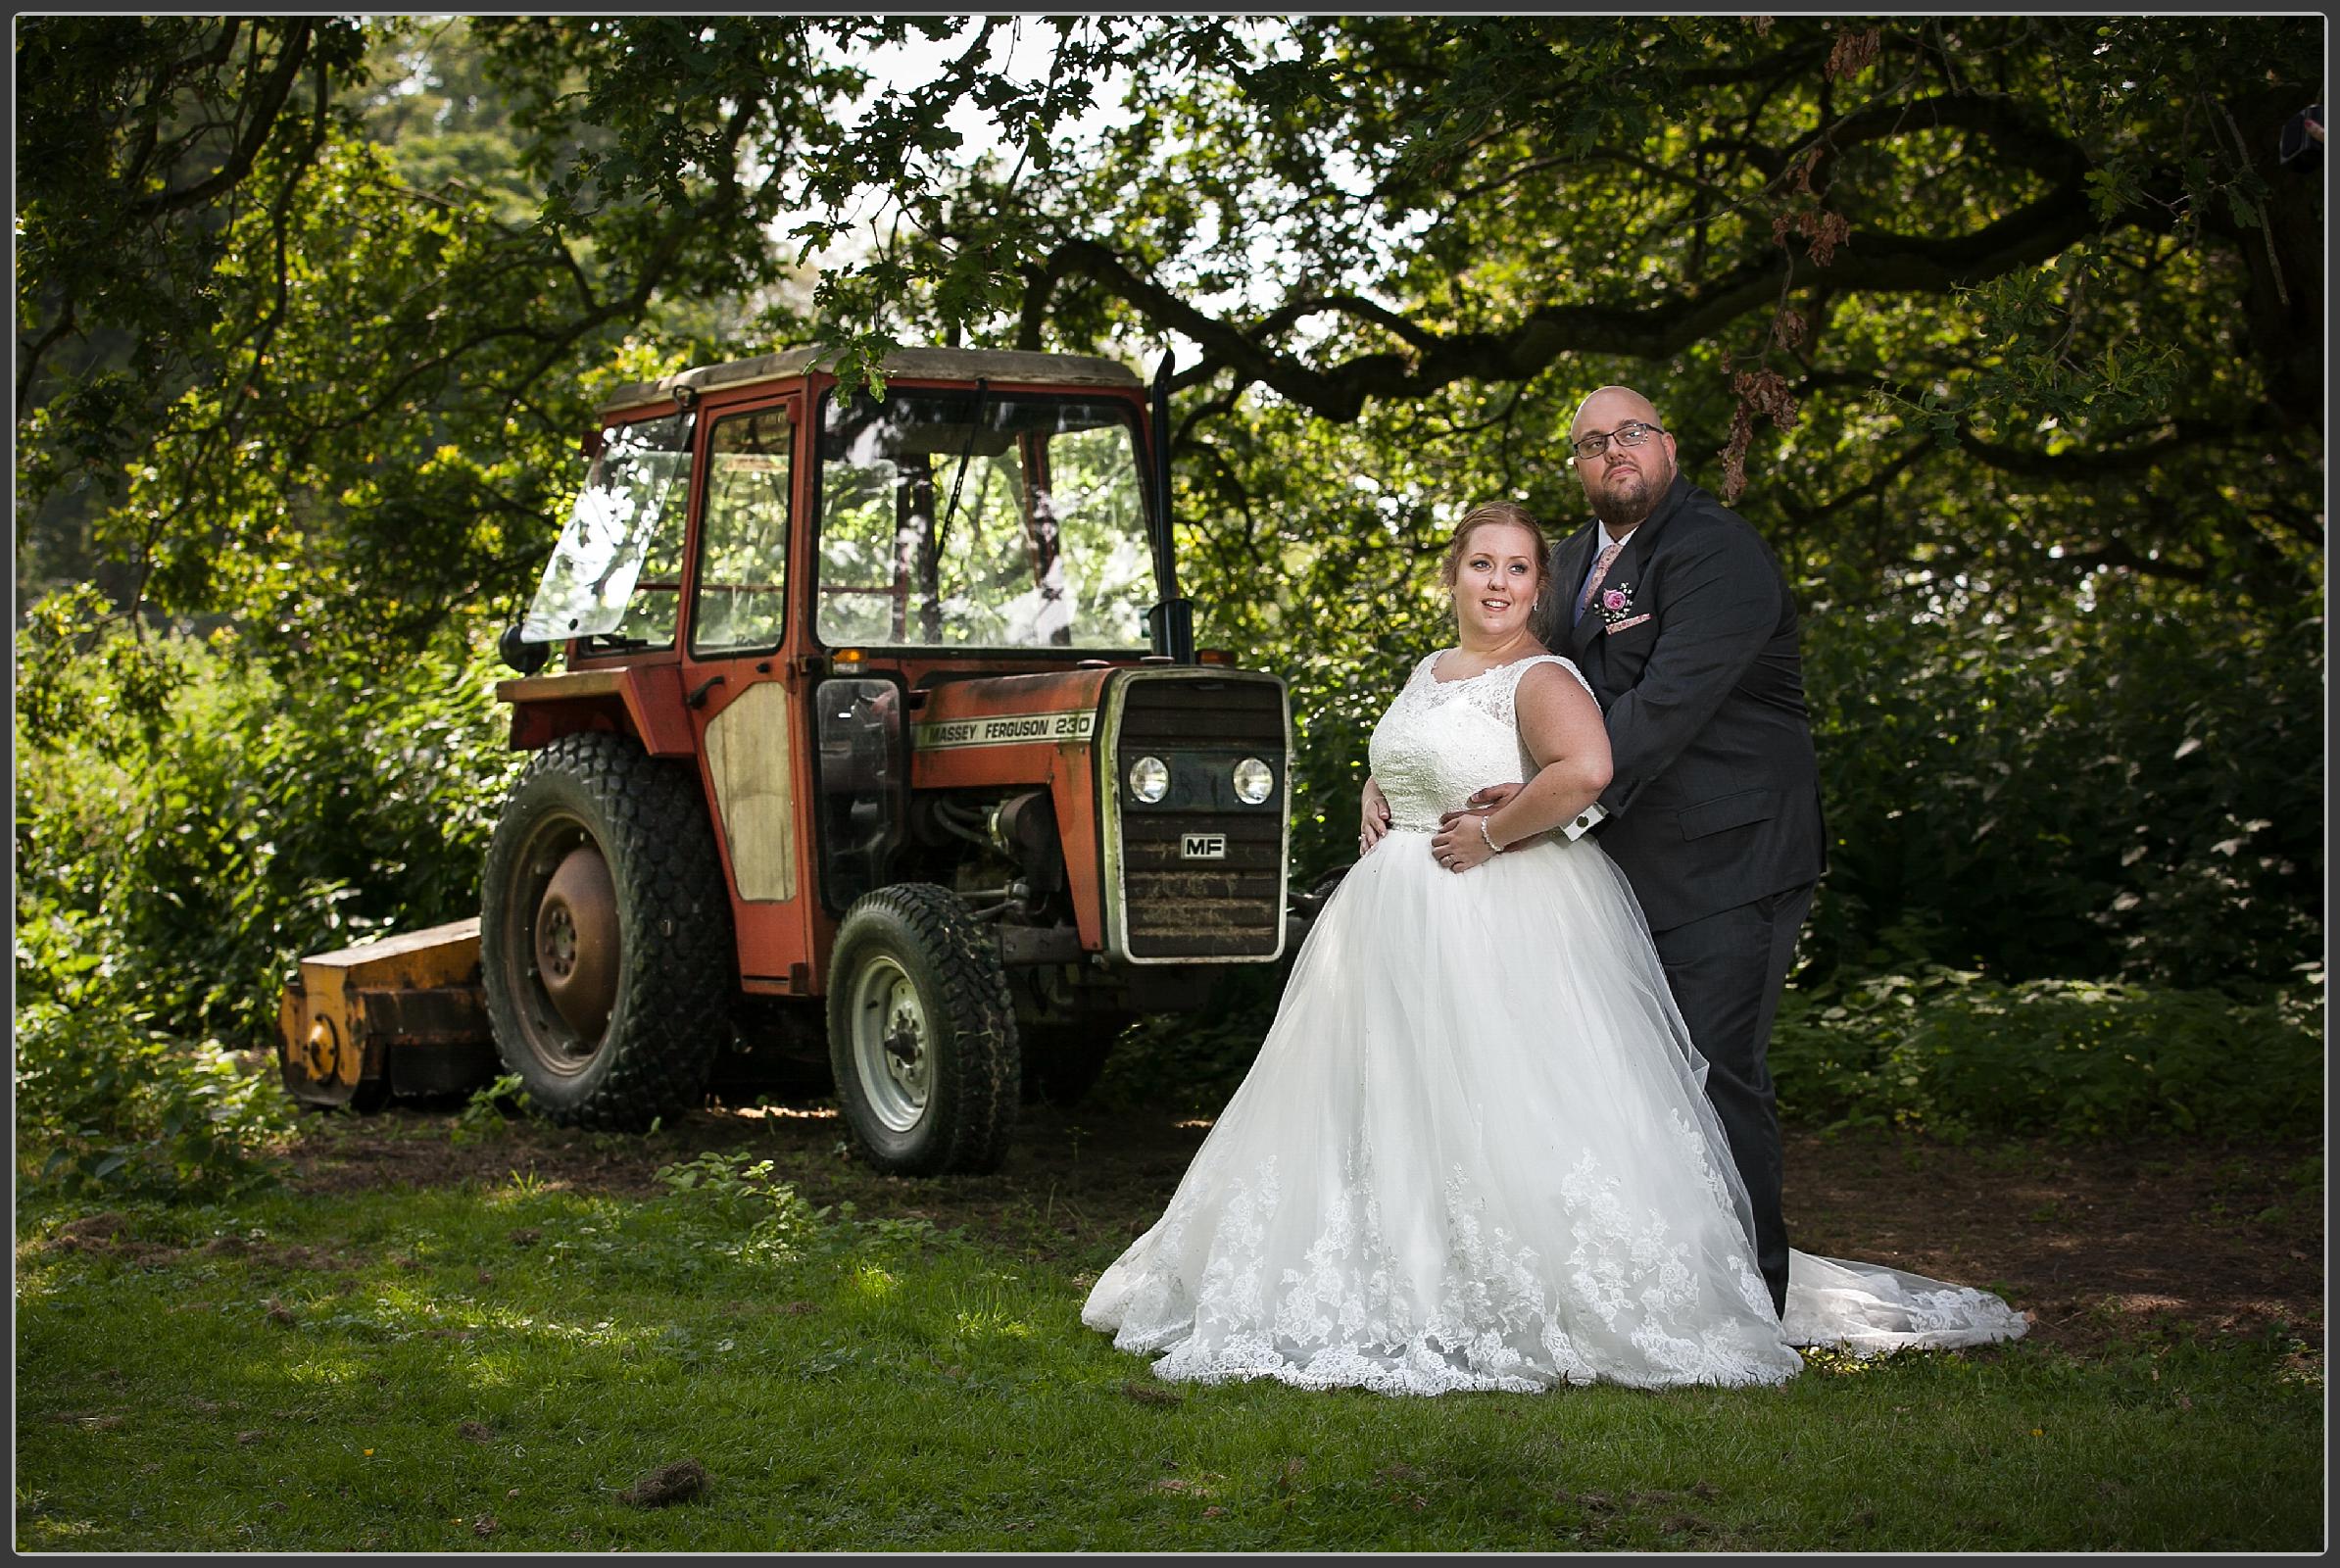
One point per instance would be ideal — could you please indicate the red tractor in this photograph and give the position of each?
(879, 737)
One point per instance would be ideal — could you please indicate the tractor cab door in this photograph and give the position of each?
(744, 711)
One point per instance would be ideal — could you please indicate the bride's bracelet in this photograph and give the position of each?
(1491, 846)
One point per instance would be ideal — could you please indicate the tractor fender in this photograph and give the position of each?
(642, 701)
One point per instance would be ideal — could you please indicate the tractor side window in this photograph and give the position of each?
(615, 576)
(741, 602)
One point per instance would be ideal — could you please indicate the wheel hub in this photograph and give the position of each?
(892, 1046)
(576, 943)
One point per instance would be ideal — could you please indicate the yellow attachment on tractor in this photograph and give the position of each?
(405, 1014)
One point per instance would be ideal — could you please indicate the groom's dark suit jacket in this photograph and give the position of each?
(1715, 798)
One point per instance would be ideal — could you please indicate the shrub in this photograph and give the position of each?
(104, 1101)
(264, 820)
(2130, 789)
(1949, 1052)
(1193, 1062)
(171, 871)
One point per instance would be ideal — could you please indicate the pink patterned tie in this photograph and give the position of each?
(1600, 569)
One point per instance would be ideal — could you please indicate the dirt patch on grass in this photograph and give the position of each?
(2098, 1242)
(105, 1235)
(111, 1237)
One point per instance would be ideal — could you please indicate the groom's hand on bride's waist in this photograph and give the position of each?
(1484, 801)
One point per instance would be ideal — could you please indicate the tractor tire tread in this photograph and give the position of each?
(984, 1091)
(676, 988)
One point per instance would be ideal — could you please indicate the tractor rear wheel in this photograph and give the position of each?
(922, 1035)
(604, 935)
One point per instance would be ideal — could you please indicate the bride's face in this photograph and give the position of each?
(1495, 581)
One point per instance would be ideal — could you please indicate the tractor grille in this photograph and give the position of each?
(1181, 908)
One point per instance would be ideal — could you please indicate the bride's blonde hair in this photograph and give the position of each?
(1487, 514)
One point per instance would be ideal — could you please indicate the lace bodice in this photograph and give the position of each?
(1440, 741)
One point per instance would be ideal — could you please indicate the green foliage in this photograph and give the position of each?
(81, 672)
(2030, 321)
(770, 1219)
(1193, 1062)
(107, 1104)
(169, 879)
(2128, 787)
(490, 1109)
(363, 304)
(270, 820)
(314, 311)
(1948, 1053)
(140, 137)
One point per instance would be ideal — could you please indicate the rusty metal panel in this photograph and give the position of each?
(1003, 729)
(435, 1068)
(322, 1060)
(435, 1015)
(309, 1052)
(654, 701)
(576, 685)
(960, 366)
(648, 693)
(1021, 946)
(438, 956)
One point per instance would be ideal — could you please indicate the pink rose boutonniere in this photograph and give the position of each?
(1616, 608)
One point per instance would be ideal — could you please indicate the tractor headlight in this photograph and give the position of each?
(1254, 780)
(1150, 779)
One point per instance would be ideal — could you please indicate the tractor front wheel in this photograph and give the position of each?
(604, 935)
(922, 1035)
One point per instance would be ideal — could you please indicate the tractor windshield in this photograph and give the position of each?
(615, 575)
(982, 517)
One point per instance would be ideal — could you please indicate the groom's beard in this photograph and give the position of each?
(1621, 512)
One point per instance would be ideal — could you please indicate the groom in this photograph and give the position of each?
(1678, 615)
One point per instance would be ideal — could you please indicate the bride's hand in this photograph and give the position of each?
(1457, 845)
(1373, 818)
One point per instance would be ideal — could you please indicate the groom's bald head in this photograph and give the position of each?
(1617, 404)
(1622, 483)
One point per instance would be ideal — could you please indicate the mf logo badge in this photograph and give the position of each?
(1202, 847)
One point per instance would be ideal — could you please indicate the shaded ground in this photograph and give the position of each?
(2097, 1243)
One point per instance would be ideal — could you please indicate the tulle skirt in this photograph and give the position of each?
(1472, 1152)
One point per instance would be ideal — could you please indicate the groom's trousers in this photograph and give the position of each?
(1726, 971)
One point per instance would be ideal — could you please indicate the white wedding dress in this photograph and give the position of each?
(1474, 1151)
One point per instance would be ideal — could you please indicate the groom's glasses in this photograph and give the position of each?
(1629, 434)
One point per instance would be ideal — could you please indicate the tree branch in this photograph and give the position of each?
(267, 103)
(2091, 462)
(1869, 262)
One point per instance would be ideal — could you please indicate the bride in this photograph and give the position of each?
(1474, 1151)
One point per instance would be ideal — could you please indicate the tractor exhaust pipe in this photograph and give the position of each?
(1171, 622)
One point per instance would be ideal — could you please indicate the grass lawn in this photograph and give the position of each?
(399, 1352)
